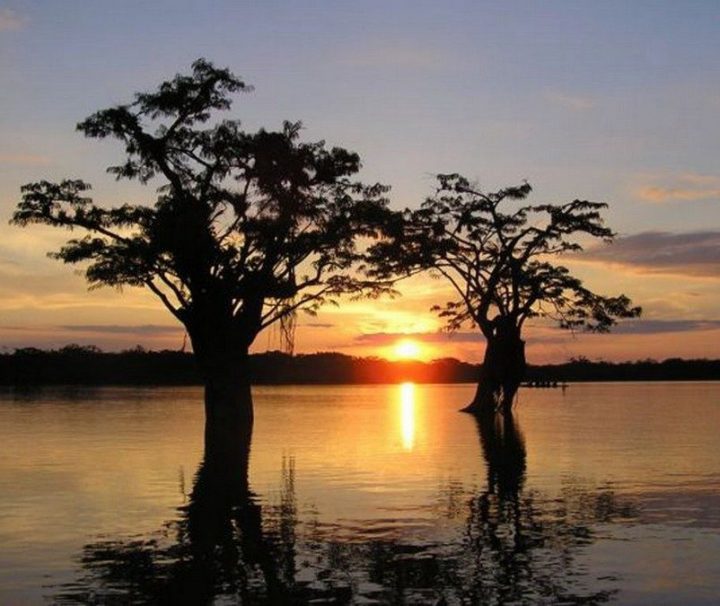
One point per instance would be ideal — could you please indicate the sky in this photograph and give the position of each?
(610, 101)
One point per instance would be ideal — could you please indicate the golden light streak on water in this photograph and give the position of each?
(407, 415)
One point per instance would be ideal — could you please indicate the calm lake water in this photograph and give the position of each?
(367, 495)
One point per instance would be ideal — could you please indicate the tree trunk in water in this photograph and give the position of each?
(501, 373)
(228, 401)
(220, 343)
(223, 358)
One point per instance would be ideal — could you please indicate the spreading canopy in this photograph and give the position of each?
(502, 263)
(247, 228)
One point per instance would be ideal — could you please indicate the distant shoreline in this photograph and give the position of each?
(78, 365)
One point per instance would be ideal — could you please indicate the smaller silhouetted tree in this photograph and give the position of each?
(501, 261)
(247, 228)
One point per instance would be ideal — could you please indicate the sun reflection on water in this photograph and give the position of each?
(407, 415)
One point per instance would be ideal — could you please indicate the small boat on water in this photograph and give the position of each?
(546, 384)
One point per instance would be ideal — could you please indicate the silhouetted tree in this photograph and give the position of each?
(247, 228)
(500, 263)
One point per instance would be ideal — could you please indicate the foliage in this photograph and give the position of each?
(247, 228)
(501, 262)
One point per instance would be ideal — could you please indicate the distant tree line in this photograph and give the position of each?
(88, 365)
(671, 369)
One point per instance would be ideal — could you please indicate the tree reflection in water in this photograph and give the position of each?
(216, 547)
(507, 544)
(521, 548)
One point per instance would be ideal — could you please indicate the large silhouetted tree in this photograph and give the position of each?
(247, 228)
(500, 258)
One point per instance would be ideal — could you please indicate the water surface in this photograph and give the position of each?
(364, 494)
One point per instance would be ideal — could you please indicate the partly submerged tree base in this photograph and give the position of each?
(501, 373)
(226, 374)
(228, 417)
(491, 398)
(484, 408)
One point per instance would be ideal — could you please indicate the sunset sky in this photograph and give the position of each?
(608, 101)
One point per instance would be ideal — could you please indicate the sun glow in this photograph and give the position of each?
(407, 349)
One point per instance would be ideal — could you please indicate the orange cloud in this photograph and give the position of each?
(663, 194)
(686, 187)
(24, 160)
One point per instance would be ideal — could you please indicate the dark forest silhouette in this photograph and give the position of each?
(247, 228)
(87, 365)
(499, 262)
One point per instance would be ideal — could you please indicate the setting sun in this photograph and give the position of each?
(407, 349)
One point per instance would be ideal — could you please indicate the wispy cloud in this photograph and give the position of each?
(10, 20)
(109, 337)
(542, 334)
(691, 253)
(665, 194)
(387, 338)
(24, 160)
(115, 329)
(574, 102)
(553, 335)
(685, 187)
(646, 327)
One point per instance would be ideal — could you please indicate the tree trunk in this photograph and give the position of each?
(222, 356)
(228, 399)
(501, 373)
